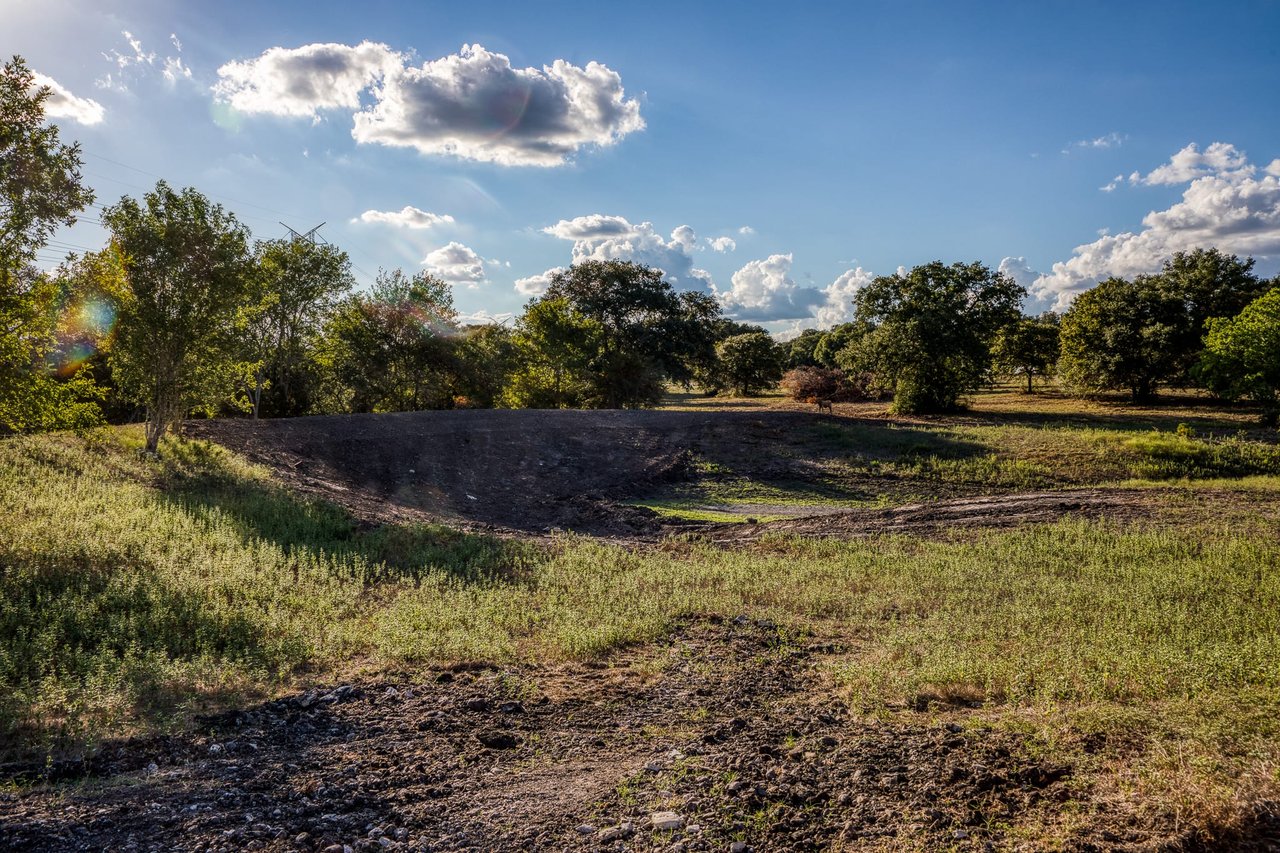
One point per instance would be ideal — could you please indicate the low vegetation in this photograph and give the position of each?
(187, 581)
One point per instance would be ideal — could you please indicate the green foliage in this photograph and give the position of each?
(931, 331)
(1209, 284)
(1028, 347)
(1242, 355)
(179, 347)
(800, 349)
(634, 330)
(750, 363)
(296, 287)
(1139, 334)
(40, 190)
(556, 344)
(40, 183)
(391, 350)
(487, 356)
(1122, 334)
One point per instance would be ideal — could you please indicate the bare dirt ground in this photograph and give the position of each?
(535, 471)
(729, 728)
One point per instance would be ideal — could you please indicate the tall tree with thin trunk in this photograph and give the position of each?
(187, 265)
(40, 190)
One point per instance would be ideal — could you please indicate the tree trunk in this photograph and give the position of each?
(1029, 375)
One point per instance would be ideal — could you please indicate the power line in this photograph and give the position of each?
(161, 178)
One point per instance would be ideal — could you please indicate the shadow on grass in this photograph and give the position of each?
(204, 481)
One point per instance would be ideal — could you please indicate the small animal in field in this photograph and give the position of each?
(825, 405)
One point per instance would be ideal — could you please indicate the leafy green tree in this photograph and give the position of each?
(1242, 355)
(40, 184)
(40, 190)
(639, 329)
(750, 363)
(1208, 283)
(297, 286)
(391, 350)
(487, 356)
(188, 270)
(834, 341)
(930, 331)
(556, 347)
(1122, 335)
(800, 349)
(1028, 347)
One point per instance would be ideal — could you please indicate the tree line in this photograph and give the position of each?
(184, 313)
(936, 333)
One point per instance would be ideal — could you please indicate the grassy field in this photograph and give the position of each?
(136, 591)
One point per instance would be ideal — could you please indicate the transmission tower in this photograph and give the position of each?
(310, 236)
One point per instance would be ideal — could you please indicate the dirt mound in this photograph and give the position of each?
(736, 736)
(525, 470)
(535, 471)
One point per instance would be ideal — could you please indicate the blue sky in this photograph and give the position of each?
(777, 154)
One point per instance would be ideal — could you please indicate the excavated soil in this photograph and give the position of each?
(728, 728)
(532, 471)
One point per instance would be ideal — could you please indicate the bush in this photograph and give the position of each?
(810, 384)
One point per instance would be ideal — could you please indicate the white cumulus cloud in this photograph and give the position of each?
(536, 285)
(473, 104)
(407, 217)
(763, 290)
(456, 264)
(303, 81)
(722, 244)
(838, 307)
(1191, 163)
(476, 106)
(608, 238)
(62, 104)
(1226, 205)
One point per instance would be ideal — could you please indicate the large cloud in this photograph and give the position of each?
(456, 264)
(407, 217)
(1190, 163)
(1226, 206)
(62, 104)
(536, 285)
(302, 81)
(606, 238)
(763, 290)
(838, 307)
(472, 104)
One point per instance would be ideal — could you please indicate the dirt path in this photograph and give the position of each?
(729, 728)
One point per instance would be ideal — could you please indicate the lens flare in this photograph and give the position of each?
(86, 325)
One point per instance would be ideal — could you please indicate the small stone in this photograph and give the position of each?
(301, 838)
(498, 740)
(476, 703)
(586, 829)
(960, 834)
(400, 834)
(215, 748)
(739, 847)
(511, 708)
(152, 767)
(693, 828)
(666, 820)
(653, 767)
